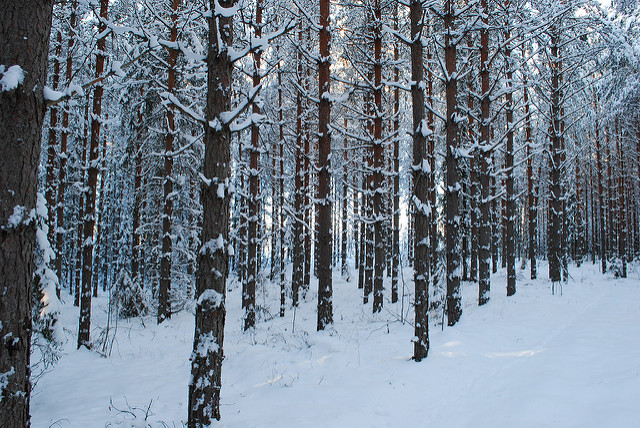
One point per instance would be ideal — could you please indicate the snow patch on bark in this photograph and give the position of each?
(11, 78)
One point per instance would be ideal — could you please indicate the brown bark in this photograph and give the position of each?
(213, 268)
(508, 156)
(599, 168)
(50, 188)
(24, 42)
(395, 250)
(164, 303)
(555, 231)
(484, 229)
(452, 194)
(325, 307)
(420, 183)
(64, 135)
(84, 323)
(531, 208)
(379, 252)
(137, 200)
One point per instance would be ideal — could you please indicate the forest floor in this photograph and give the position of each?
(531, 360)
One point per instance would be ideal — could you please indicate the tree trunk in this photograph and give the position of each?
(213, 268)
(24, 31)
(484, 229)
(84, 323)
(325, 308)
(452, 226)
(379, 252)
(164, 302)
(420, 183)
(508, 156)
(64, 135)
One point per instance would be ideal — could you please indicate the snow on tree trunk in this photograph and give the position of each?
(24, 31)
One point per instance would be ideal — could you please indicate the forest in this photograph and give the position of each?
(343, 189)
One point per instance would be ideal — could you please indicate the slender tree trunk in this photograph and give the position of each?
(603, 237)
(64, 135)
(555, 231)
(325, 308)
(213, 268)
(452, 226)
(378, 162)
(345, 207)
(249, 295)
(396, 168)
(137, 201)
(510, 197)
(24, 33)
(84, 324)
(50, 189)
(297, 277)
(164, 302)
(420, 183)
(484, 229)
(531, 208)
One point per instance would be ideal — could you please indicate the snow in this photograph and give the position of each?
(532, 359)
(11, 77)
(51, 94)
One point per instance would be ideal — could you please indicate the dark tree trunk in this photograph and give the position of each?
(84, 323)
(531, 207)
(395, 250)
(64, 135)
(379, 252)
(24, 32)
(137, 200)
(324, 248)
(603, 236)
(452, 226)
(249, 295)
(484, 229)
(213, 265)
(508, 156)
(420, 184)
(164, 302)
(50, 188)
(555, 231)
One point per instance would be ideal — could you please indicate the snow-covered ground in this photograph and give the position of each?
(531, 360)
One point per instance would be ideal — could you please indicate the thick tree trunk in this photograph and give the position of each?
(24, 32)
(213, 268)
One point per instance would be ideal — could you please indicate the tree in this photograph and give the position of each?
(24, 31)
(325, 307)
(421, 210)
(213, 268)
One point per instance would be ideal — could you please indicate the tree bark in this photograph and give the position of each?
(213, 265)
(452, 226)
(164, 302)
(420, 183)
(325, 307)
(84, 323)
(24, 43)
